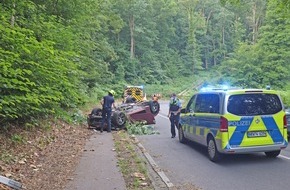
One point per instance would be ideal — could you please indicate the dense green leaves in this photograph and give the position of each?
(266, 62)
(56, 54)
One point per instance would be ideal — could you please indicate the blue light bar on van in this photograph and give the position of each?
(141, 87)
(204, 89)
(225, 87)
(211, 88)
(221, 88)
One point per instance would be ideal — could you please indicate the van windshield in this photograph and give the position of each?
(254, 104)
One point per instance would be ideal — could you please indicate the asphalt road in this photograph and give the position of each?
(188, 163)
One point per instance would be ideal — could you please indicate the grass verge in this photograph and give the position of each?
(132, 166)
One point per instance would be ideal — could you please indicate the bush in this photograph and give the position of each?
(139, 128)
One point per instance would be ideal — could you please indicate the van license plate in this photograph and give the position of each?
(257, 134)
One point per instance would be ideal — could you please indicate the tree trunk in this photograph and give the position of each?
(224, 45)
(13, 15)
(205, 33)
(214, 56)
(254, 23)
(191, 35)
(132, 25)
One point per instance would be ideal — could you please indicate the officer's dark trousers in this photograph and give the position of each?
(174, 120)
(106, 115)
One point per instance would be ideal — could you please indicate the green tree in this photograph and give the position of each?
(274, 47)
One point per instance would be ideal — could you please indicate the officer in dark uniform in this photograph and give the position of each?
(107, 103)
(130, 99)
(174, 113)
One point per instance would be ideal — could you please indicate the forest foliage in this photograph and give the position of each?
(56, 55)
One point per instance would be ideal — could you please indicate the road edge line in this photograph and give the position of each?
(285, 157)
(155, 167)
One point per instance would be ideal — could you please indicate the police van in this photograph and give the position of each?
(230, 121)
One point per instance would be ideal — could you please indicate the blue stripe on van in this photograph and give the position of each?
(273, 128)
(205, 122)
(208, 122)
(241, 125)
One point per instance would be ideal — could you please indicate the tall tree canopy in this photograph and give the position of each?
(56, 54)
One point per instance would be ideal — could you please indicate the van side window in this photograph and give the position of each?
(191, 104)
(207, 103)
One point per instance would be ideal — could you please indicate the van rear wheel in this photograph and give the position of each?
(212, 151)
(273, 154)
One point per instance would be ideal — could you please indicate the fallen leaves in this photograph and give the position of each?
(8, 175)
(139, 175)
(130, 163)
(4, 187)
(22, 161)
(46, 159)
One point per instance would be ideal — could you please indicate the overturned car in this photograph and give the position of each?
(126, 112)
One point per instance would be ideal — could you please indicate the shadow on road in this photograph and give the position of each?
(232, 159)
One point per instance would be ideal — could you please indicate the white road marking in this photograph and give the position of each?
(284, 157)
(163, 116)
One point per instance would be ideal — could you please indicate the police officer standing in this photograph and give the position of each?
(174, 113)
(107, 103)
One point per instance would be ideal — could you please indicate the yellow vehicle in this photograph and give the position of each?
(134, 94)
(235, 121)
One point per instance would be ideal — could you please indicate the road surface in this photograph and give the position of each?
(188, 163)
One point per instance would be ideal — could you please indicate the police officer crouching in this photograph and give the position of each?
(174, 113)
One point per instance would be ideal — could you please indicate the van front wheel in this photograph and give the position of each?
(273, 154)
(181, 136)
(212, 151)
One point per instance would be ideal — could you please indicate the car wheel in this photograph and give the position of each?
(89, 120)
(154, 107)
(97, 112)
(212, 151)
(119, 118)
(273, 154)
(93, 118)
(181, 137)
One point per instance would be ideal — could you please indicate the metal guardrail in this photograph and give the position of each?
(11, 183)
(195, 86)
